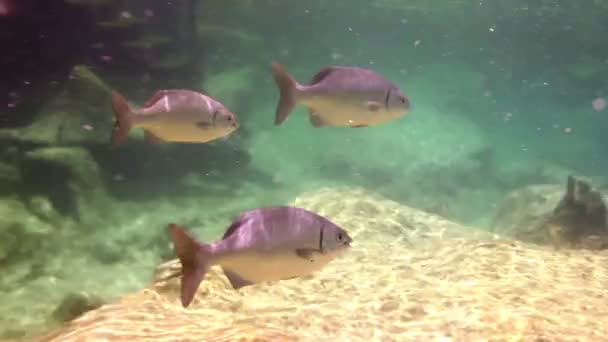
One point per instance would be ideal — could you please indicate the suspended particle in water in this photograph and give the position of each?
(416, 43)
(599, 104)
(118, 177)
(148, 13)
(567, 130)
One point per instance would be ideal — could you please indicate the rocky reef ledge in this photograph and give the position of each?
(411, 276)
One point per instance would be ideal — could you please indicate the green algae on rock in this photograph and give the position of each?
(21, 232)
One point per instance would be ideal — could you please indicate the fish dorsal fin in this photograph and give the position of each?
(234, 227)
(161, 93)
(322, 74)
(154, 98)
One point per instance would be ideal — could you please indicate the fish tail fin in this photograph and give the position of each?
(288, 87)
(195, 258)
(123, 114)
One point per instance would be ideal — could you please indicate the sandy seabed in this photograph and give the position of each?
(410, 276)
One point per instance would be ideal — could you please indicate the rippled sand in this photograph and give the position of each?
(410, 276)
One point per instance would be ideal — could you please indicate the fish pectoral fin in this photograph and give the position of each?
(202, 124)
(315, 120)
(236, 280)
(373, 105)
(306, 253)
(150, 138)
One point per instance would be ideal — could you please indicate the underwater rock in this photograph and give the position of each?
(43, 208)
(523, 212)
(81, 113)
(11, 179)
(9, 173)
(461, 288)
(75, 304)
(78, 160)
(544, 214)
(86, 195)
(580, 216)
(23, 235)
(21, 232)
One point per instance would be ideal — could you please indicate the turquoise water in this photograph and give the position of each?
(504, 95)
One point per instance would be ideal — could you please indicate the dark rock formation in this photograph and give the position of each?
(580, 216)
(83, 195)
(80, 114)
(75, 304)
(544, 214)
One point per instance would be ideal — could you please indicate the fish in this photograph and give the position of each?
(261, 245)
(176, 115)
(340, 96)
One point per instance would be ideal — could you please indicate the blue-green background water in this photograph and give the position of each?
(501, 97)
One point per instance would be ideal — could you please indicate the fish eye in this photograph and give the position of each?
(402, 99)
(340, 237)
